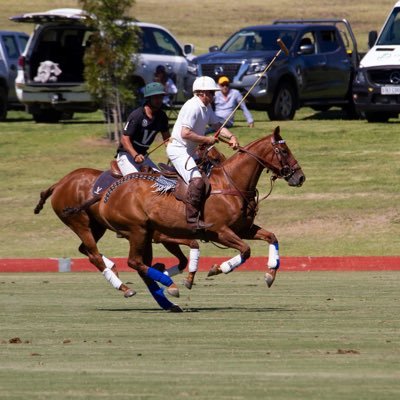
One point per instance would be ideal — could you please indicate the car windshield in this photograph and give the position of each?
(391, 32)
(250, 40)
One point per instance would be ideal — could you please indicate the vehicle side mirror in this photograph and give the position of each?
(188, 49)
(213, 48)
(372, 36)
(307, 49)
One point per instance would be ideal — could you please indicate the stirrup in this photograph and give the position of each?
(199, 225)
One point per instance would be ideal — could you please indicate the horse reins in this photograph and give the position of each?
(285, 172)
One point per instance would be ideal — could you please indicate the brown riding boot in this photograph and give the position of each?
(194, 202)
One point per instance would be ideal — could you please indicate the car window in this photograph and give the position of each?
(11, 46)
(258, 40)
(157, 41)
(23, 40)
(307, 39)
(328, 41)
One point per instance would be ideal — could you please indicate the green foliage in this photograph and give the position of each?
(108, 62)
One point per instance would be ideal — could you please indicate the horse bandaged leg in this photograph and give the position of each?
(194, 257)
(230, 265)
(112, 278)
(109, 264)
(159, 297)
(273, 256)
(164, 280)
(172, 271)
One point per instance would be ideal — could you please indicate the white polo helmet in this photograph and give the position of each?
(205, 83)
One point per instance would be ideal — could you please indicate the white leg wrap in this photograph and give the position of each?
(107, 261)
(230, 265)
(194, 259)
(273, 257)
(112, 278)
(172, 271)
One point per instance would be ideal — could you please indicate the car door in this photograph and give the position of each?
(158, 47)
(337, 71)
(309, 66)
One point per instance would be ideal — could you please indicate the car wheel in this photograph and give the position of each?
(3, 104)
(49, 116)
(377, 117)
(283, 106)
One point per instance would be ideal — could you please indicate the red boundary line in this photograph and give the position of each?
(352, 263)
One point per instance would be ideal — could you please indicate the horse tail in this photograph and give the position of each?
(67, 211)
(43, 197)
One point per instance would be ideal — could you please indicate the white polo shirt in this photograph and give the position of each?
(195, 116)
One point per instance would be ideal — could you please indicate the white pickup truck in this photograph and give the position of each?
(12, 45)
(376, 87)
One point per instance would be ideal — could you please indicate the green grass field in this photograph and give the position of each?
(312, 336)
(347, 206)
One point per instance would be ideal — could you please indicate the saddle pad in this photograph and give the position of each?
(104, 181)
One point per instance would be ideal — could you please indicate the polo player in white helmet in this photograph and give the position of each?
(189, 132)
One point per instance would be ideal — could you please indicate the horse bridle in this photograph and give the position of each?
(286, 171)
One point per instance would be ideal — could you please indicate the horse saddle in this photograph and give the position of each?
(180, 190)
(107, 178)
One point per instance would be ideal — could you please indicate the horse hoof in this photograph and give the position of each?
(188, 284)
(215, 270)
(175, 308)
(173, 291)
(129, 293)
(269, 279)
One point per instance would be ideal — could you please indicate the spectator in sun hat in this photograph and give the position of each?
(226, 100)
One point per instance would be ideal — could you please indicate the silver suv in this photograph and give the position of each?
(50, 74)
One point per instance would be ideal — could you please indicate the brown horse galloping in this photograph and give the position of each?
(137, 210)
(75, 189)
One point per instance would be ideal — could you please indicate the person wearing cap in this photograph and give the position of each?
(140, 130)
(188, 133)
(226, 100)
(160, 75)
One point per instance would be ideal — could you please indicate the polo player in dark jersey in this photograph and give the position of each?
(141, 129)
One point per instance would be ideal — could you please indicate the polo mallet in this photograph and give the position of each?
(282, 48)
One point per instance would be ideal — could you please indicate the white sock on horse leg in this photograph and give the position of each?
(194, 259)
(112, 278)
(230, 265)
(273, 257)
(108, 262)
(172, 271)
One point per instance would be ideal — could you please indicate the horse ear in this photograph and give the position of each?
(277, 134)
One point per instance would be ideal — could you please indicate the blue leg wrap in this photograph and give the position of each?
(159, 277)
(159, 296)
(278, 261)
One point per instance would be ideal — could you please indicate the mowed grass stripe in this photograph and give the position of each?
(317, 335)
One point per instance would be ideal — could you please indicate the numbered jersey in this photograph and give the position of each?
(142, 130)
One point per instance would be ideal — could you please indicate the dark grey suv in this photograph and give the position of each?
(317, 72)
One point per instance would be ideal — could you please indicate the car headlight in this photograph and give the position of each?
(192, 68)
(360, 77)
(255, 68)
